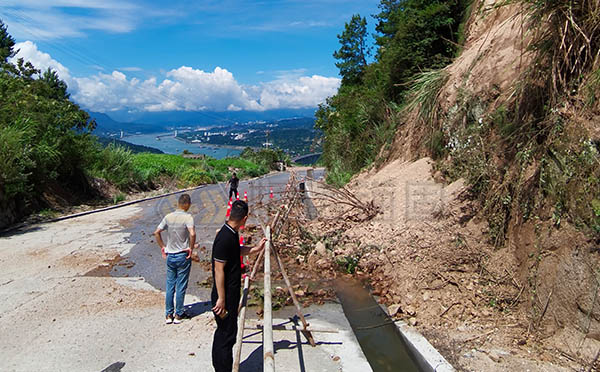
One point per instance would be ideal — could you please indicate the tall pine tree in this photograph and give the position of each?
(6, 44)
(353, 53)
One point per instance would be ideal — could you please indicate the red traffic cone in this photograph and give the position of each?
(237, 196)
(242, 257)
(271, 194)
(228, 211)
(246, 196)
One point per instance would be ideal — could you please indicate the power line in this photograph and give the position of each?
(88, 58)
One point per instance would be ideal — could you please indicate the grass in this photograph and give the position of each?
(48, 213)
(424, 92)
(128, 171)
(348, 264)
(119, 197)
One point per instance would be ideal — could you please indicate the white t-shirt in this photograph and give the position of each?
(177, 223)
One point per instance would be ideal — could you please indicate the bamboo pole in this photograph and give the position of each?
(305, 331)
(285, 328)
(268, 351)
(237, 349)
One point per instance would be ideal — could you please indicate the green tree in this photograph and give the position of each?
(6, 44)
(424, 38)
(387, 24)
(353, 52)
(57, 87)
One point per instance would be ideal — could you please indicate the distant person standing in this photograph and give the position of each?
(233, 186)
(227, 277)
(178, 253)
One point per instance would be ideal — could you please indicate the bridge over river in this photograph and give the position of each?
(307, 159)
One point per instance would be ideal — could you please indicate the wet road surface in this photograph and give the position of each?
(209, 205)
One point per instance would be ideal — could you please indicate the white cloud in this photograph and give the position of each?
(44, 20)
(185, 88)
(304, 91)
(42, 61)
(131, 69)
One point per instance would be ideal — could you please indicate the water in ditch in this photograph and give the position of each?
(378, 336)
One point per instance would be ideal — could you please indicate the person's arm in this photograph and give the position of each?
(220, 284)
(160, 242)
(192, 231)
(245, 250)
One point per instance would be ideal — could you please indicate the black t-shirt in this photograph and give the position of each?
(234, 181)
(226, 248)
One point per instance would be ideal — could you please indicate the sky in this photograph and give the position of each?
(148, 55)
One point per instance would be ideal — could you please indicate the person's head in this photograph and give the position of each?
(239, 213)
(184, 202)
(234, 175)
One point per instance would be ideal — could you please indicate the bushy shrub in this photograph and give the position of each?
(115, 164)
(195, 177)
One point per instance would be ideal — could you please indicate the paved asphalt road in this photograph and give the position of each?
(209, 208)
(64, 307)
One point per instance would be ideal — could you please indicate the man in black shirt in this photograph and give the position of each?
(233, 186)
(227, 276)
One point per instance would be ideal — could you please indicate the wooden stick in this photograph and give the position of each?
(305, 331)
(545, 307)
(448, 309)
(261, 254)
(268, 350)
(290, 328)
(237, 349)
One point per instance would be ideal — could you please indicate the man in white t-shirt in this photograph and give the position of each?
(178, 253)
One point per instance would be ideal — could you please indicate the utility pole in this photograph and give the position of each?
(268, 143)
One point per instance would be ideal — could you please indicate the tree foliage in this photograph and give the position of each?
(45, 137)
(387, 22)
(6, 44)
(353, 52)
(413, 36)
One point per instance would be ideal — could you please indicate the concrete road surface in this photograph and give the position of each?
(87, 294)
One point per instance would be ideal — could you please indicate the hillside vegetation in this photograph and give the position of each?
(500, 126)
(526, 139)
(413, 36)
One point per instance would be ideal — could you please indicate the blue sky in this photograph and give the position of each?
(217, 55)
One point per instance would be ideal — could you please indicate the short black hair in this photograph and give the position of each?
(184, 199)
(234, 174)
(239, 210)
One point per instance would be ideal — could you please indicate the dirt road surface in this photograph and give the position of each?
(87, 294)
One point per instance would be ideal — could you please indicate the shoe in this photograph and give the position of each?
(177, 319)
(169, 319)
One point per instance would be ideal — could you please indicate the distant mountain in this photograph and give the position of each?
(107, 125)
(206, 118)
(154, 122)
(105, 141)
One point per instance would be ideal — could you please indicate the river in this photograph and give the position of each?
(171, 145)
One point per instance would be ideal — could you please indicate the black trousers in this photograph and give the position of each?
(234, 192)
(224, 339)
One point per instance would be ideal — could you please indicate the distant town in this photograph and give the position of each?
(296, 136)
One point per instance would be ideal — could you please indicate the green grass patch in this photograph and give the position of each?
(130, 171)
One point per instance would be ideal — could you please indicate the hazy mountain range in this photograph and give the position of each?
(153, 122)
